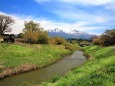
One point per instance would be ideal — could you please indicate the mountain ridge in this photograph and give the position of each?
(72, 34)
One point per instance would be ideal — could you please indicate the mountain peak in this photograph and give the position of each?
(72, 34)
(55, 30)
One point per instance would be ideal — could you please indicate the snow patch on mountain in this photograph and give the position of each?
(71, 34)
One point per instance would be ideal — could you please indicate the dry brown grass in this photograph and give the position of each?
(39, 46)
(2, 66)
(61, 47)
(17, 70)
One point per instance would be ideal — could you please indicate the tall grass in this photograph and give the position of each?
(97, 72)
(27, 56)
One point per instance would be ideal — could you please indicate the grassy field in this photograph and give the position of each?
(15, 58)
(98, 71)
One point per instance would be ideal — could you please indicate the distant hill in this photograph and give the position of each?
(72, 34)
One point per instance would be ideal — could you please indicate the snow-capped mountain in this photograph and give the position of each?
(72, 34)
(55, 30)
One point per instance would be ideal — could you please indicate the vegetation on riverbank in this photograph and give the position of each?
(105, 39)
(15, 58)
(98, 71)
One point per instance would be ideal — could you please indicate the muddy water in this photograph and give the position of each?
(38, 76)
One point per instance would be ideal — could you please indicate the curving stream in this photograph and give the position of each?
(38, 76)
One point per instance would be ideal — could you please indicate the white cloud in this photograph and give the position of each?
(100, 19)
(67, 27)
(48, 24)
(107, 4)
(72, 12)
(19, 22)
(111, 6)
(84, 2)
(42, 1)
(83, 16)
(89, 2)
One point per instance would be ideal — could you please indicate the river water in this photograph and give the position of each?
(36, 77)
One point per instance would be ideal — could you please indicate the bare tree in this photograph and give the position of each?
(5, 22)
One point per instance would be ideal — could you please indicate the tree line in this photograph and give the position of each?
(33, 33)
(106, 39)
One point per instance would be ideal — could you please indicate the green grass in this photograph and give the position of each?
(100, 71)
(13, 55)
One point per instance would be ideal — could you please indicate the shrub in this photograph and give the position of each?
(69, 46)
(108, 38)
(43, 37)
(96, 41)
(56, 40)
(55, 78)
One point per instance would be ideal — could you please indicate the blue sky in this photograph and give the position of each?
(91, 16)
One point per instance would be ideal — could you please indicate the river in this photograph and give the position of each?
(60, 68)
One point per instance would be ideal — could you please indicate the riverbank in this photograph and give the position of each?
(15, 58)
(60, 68)
(99, 71)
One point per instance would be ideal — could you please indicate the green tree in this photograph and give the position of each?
(5, 22)
(21, 35)
(34, 33)
(31, 31)
(32, 26)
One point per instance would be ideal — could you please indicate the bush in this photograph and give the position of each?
(96, 41)
(108, 38)
(51, 40)
(56, 40)
(43, 37)
(69, 46)
(55, 78)
(59, 40)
